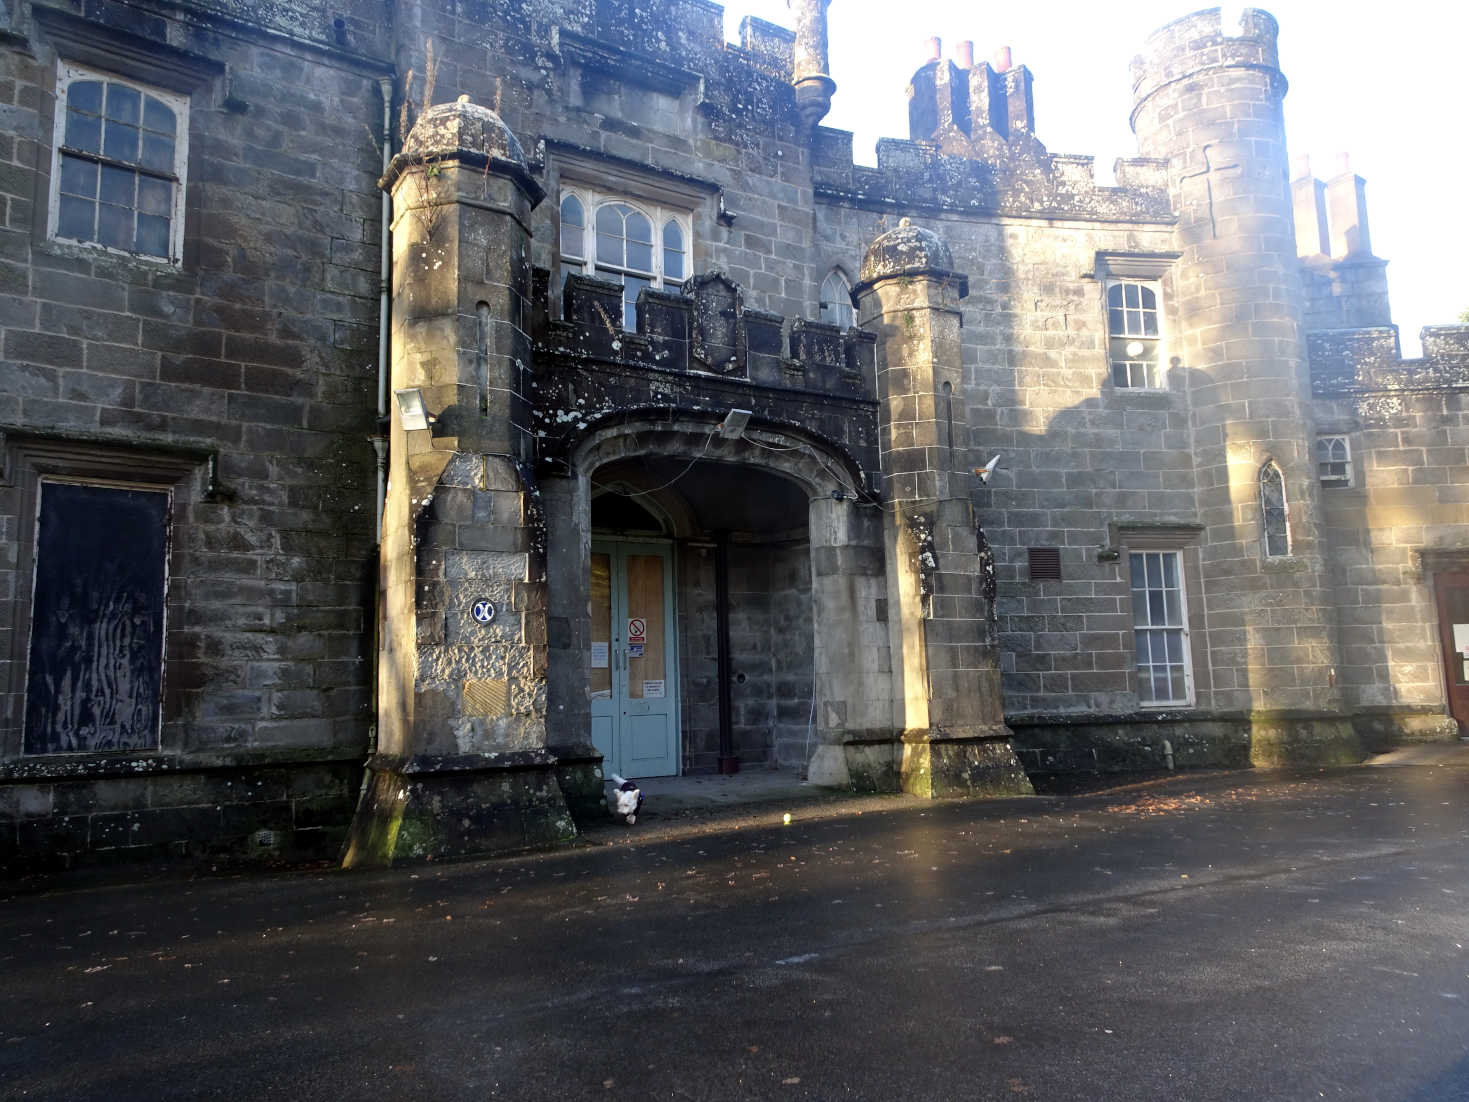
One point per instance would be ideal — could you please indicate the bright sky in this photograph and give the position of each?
(1385, 83)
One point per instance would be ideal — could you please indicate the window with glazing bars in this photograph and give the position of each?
(1160, 628)
(118, 164)
(836, 300)
(617, 239)
(1333, 461)
(1274, 520)
(1133, 335)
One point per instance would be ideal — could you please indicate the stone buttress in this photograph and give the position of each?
(946, 695)
(1210, 103)
(461, 763)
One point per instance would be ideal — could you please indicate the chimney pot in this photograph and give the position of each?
(1002, 60)
(964, 54)
(935, 47)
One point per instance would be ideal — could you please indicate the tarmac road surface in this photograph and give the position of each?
(1223, 936)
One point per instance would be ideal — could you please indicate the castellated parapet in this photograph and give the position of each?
(698, 351)
(1369, 360)
(972, 148)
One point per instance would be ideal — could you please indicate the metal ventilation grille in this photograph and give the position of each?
(1045, 564)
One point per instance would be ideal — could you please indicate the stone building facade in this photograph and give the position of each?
(414, 412)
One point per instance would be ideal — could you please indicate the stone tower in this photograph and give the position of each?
(461, 763)
(947, 701)
(1209, 102)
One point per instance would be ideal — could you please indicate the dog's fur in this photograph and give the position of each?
(625, 799)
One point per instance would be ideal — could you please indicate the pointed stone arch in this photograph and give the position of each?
(1275, 534)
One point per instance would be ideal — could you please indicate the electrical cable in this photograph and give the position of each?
(644, 493)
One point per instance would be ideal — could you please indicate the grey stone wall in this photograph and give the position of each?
(257, 350)
(1077, 454)
(1404, 515)
(771, 646)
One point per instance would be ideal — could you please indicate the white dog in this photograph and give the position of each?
(624, 799)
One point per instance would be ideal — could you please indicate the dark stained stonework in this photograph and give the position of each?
(385, 625)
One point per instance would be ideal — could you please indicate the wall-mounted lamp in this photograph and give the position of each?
(411, 409)
(733, 426)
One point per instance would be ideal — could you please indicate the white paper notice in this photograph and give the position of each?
(1461, 639)
(652, 690)
(599, 656)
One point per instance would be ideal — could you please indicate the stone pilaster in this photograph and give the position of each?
(947, 700)
(462, 763)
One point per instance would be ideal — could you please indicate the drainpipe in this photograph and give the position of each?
(380, 437)
(384, 305)
(728, 763)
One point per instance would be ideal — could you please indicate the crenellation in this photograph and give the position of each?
(876, 520)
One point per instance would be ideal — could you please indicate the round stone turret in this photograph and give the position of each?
(1200, 43)
(1208, 99)
(908, 250)
(464, 131)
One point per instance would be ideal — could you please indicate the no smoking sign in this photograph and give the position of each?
(637, 629)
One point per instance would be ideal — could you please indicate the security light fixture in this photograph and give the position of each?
(733, 426)
(411, 408)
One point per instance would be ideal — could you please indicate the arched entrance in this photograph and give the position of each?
(769, 643)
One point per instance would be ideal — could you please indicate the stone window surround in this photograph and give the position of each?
(593, 200)
(1345, 478)
(115, 54)
(68, 74)
(660, 194)
(1274, 543)
(1146, 269)
(26, 461)
(837, 309)
(1183, 538)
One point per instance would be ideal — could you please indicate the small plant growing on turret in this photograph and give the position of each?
(426, 208)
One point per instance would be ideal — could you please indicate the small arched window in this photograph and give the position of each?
(673, 252)
(1273, 520)
(836, 300)
(573, 234)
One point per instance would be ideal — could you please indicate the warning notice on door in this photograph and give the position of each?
(652, 690)
(599, 656)
(637, 630)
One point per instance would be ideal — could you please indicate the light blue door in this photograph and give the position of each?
(632, 669)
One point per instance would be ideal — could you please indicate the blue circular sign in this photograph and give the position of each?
(482, 611)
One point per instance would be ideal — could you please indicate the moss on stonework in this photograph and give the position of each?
(1284, 743)
(416, 837)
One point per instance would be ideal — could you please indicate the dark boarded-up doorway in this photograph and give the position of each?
(95, 670)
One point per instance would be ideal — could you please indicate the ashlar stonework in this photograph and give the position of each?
(413, 414)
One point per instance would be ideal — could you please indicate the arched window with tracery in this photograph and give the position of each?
(614, 238)
(836, 300)
(1274, 523)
